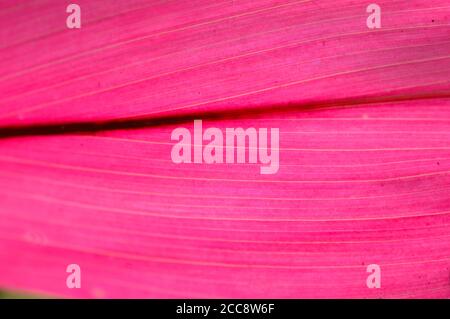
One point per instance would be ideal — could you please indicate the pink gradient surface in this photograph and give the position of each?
(364, 118)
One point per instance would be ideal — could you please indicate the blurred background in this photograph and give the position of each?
(7, 294)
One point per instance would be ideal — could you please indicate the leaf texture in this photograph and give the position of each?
(86, 175)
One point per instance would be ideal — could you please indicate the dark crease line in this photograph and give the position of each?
(86, 127)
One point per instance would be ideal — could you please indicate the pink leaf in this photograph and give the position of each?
(86, 175)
